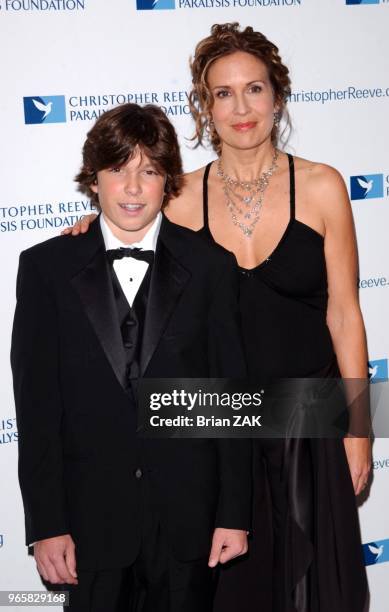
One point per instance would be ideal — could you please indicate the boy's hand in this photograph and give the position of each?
(226, 545)
(56, 560)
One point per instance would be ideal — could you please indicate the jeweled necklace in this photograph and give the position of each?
(247, 206)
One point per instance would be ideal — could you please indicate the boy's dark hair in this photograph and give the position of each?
(117, 134)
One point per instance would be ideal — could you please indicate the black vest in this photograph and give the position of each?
(131, 321)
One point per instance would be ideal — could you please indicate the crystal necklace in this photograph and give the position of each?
(245, 208)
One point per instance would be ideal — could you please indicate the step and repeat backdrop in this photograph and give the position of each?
(65, 62)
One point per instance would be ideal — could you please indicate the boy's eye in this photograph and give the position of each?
(151, 172)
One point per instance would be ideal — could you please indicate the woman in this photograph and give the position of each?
(289, 223)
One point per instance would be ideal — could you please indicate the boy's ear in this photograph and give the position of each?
(94, 186)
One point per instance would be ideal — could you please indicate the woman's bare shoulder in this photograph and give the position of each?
(322, 184)
(187, 209)
(317, 174)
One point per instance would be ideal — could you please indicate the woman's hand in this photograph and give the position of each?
(81, 227)
(358, 452)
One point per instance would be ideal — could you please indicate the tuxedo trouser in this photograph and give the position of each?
(155, 582)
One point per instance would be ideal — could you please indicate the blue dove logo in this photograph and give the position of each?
(153, 5)
(378, 370)
(362, 1)
(44, 109)
(367, 186)
(376, 552)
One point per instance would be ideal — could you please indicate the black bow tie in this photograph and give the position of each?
(147, 256)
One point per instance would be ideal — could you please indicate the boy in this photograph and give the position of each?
(114, 517)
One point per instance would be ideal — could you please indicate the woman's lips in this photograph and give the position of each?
(243, 127)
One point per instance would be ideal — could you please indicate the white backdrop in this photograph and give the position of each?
(93, 54)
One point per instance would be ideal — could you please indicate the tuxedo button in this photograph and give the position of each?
(138, 473)
(130, 322)
(128, 345)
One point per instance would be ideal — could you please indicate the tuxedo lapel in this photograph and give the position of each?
(167, 283)
(94, 286)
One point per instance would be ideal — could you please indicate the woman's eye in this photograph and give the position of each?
(151, 172)
(256, 88)
(115, 170)
(223, 93)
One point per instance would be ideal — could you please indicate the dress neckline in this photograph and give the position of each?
(291, 223)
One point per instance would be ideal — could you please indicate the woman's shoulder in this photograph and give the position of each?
(321, 195)
(318, 181)
(187, 208)
(193, 182)
(317, 174)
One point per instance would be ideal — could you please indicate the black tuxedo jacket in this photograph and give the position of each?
(79, 457)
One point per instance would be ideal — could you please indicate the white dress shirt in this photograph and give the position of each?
(131, 272)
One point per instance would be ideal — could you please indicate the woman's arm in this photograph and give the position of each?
(81, 226)
(344, 317)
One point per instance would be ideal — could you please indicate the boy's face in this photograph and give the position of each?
(130, 197)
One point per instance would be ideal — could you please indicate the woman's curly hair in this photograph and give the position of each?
(225, 39)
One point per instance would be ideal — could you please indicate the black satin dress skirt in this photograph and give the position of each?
(305, 550)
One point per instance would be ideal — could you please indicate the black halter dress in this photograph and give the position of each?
(313, 556)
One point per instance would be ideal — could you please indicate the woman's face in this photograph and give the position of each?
(243, 100)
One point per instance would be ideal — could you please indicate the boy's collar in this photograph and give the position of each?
(148, 242)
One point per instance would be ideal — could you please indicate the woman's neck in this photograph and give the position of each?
(247, 165)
